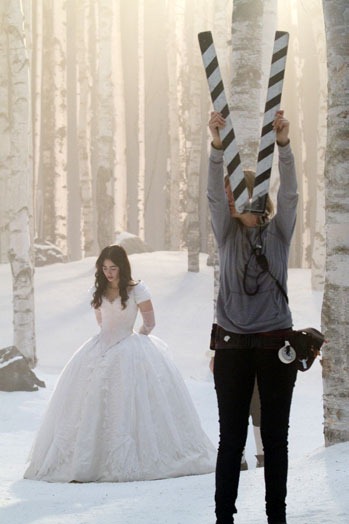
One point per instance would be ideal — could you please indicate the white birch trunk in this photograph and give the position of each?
(194, 138)
(46, 184)
(120, 209)
(141, 123)
(183, 88)
(335, 310)
(84, 18)
(302, 232)
(290, 103)
(74, 244)
(37, 39)
(175, 32)
(5, 141)
(156, 121)
(318, 246)
(184, 78)
(59, 97)
(221, 23)
(105, 128)
(246, 83)
(129, 17)
(20, 183)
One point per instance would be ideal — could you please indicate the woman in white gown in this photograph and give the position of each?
(120, 410)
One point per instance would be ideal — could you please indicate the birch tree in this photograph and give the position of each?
(184, 106)
(85, 59)
(318, 247)
(132, 43)
(20, 181)
(295, 113)
(120, 209)
(335, 309)
(175, 52)
(105, 128)
(141, 124)
(74, 244)
(246, 81)
(45, 188)
(5, 133)
(155, 120)
(59, 96)
(194, 138)
(36, 83)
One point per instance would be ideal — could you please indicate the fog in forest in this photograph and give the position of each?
(119, 110)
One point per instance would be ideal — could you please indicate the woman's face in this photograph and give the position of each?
(111, 271)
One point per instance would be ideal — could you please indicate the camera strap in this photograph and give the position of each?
(263, 263)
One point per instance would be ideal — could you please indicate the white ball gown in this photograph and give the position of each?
(120, 410)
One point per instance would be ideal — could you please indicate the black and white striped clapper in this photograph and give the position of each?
(267, 142)
(219, 101)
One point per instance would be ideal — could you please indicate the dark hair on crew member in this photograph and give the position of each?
(118, 256)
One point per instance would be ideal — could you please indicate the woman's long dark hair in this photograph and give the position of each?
(118, 256)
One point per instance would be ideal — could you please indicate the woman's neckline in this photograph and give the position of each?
(111, 294)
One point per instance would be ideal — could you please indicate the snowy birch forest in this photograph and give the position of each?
(104, 108)
(117, 107)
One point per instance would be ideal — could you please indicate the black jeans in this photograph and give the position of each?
(234, 375)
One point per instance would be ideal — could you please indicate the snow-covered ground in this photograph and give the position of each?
(318, 477)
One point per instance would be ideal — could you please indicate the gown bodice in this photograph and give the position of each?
(118, 323)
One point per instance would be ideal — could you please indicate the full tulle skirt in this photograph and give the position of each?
(120, 414)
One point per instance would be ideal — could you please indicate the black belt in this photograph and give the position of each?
(223, 339)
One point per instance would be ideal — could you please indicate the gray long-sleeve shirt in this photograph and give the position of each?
(267, 310)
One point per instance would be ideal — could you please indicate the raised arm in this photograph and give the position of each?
(287, 198)
(217, 199)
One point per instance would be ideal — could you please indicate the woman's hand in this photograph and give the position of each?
(216, 123)
(281, 127)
